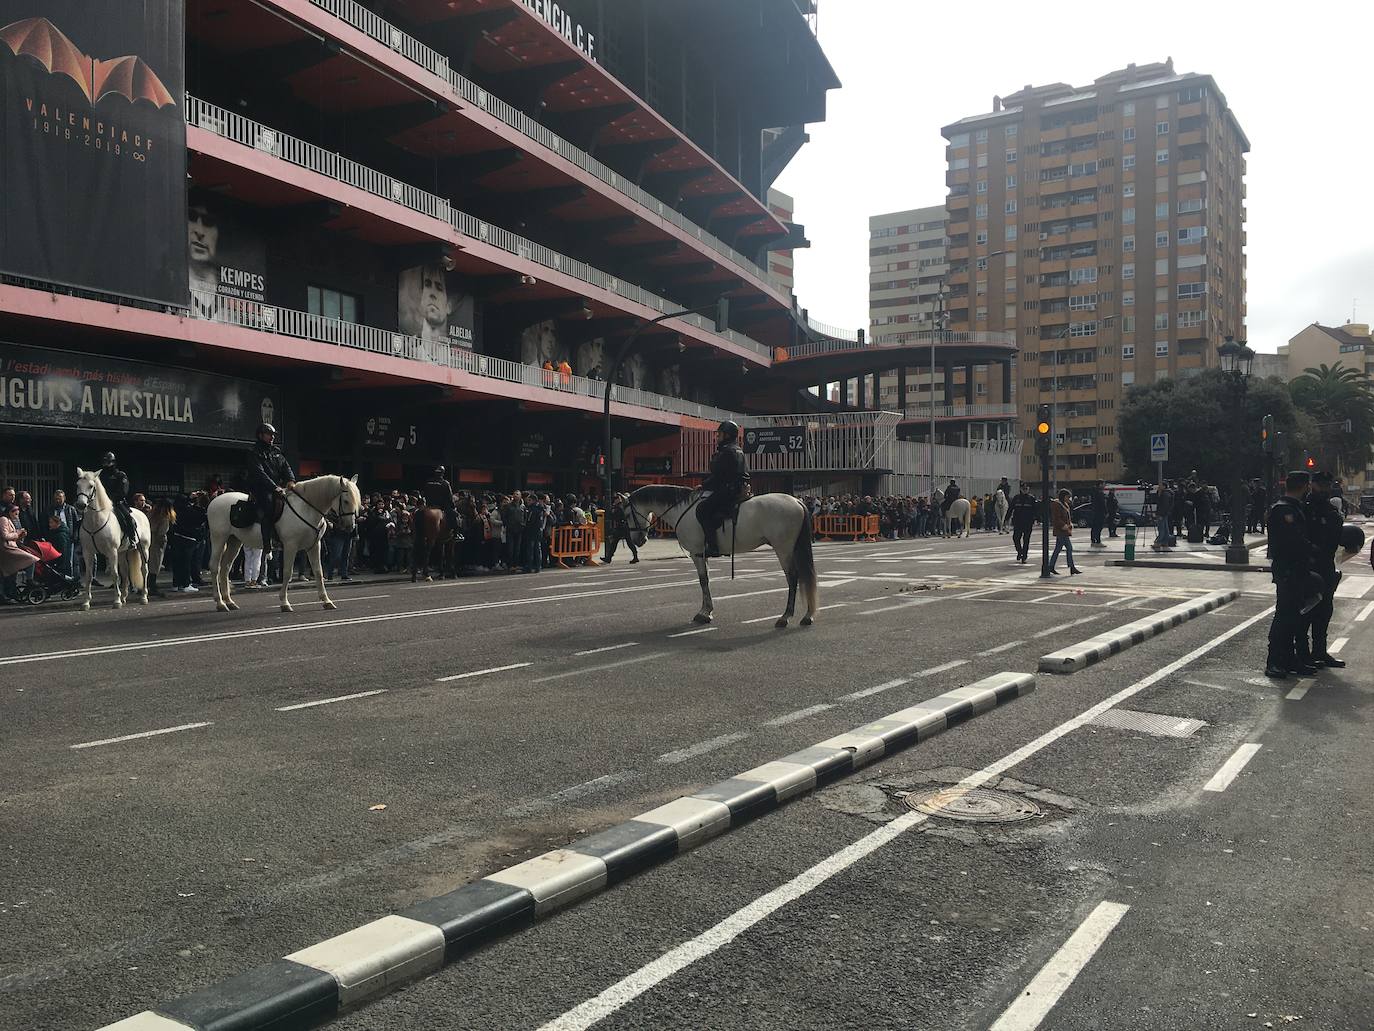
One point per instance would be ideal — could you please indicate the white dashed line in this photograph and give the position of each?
(1297, 694)
(800, 714)
(879, 689)
(699, 630)
(1000, 648)
(700, 748)
(590, 787)
(608, 648)
(1221, 780)
(135, 737)
(913, 603)
(1337, 645)
(1065, 626)
(330, 701)
(1364, 613)
(941, 668)
(483, 672)
(1040, 996)
(581, 670)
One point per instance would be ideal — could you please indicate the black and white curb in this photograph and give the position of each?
(1095, 649)
(315, 984)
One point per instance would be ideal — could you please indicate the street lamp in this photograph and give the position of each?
(1236, 359)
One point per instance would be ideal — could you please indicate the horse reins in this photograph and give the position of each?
(321, 526)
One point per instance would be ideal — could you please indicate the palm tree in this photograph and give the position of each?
(1335, 395)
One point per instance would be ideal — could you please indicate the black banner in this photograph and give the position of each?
(60, 389)
(658, 466)
(774, 440)
(93, 145)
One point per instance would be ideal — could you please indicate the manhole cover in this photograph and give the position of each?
(976, 805)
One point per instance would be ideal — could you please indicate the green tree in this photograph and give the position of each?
(1331, 395)
(1197, 414)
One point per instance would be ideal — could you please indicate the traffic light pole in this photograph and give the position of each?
(1045, 524)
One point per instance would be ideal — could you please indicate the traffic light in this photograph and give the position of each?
(1310, 464)
(1044, 430)
(600, 464)
(1267, 434)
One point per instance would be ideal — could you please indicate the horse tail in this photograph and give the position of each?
(804, 562)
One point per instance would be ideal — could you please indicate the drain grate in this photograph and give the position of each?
(1149, 723)
(976, 805)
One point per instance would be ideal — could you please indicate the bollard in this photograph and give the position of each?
(1130, 542)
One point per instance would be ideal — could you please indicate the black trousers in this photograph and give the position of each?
(711, 513)
(1286, 624)
(1021, 538)
(1311, 640)
(613, 541)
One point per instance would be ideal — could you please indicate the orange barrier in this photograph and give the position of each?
(855, 527)
(575, 542)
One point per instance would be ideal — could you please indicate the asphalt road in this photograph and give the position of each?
(497, 718)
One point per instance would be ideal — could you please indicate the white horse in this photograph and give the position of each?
(1001, 505)
(960, 511)
(778, 520)
(100, 532)
(300, 528)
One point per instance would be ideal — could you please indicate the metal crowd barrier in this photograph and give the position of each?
(573, 542)
(854, 527)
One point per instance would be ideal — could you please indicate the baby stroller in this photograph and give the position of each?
(46, 579)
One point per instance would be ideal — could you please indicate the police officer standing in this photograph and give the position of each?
(269, 474)
(439, 494)
(1324, 529)
(1290, 559)
(727, 479)
(116, 485)
(1023, 510)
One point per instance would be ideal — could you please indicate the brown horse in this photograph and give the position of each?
(432, 534)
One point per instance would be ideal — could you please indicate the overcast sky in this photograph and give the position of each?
(1300, 87)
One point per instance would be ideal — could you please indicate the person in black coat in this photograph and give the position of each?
(1290, 561)
(727, 479)
(1024, 507)
(269, 475)
(1324, 531)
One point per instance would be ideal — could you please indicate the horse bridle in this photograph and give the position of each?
(83, 504)
(319, 527)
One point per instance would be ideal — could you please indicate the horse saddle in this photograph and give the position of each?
(243, 514)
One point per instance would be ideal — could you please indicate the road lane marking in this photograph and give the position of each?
(590, 787)
(1000, 648)
(941, 668)
(330, 701)
(608, 648)
(1064, 626)
(1221, 780)
(1364, 613)
(1337, 645)
(913, 603)
(365, 597)
(699, 630)
(483, 672)
(1298, 693)
(681, 755)
(135, 737)
(879, 689)
(631, 987)
(597, 669)
(329, 624)
(1048, 597)
(799, 714)
(1040, 996)
(836, 583)
(1354, 587)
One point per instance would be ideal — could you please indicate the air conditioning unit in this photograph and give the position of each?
(1086, 441)
(1044, 236)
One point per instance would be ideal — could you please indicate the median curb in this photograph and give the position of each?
(1095, 649)
(314, 985)
(1194, 567)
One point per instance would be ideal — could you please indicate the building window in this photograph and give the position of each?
(1161, 157)
(1082, 275)
(1009, 208)
(1083, 329)
(981, 136)
(980, 264)
(1162, 241)
(1127, 298)
(1191, 234)
(1128, 189)
(982, 313)
(1128, 133)
(958, 164)
(1161, 348)
(982, 186)
(1161, 102)
(1190, 95)
(1128, 271)
(1161, 266)
(1128, 216)
(1127, 162)
(1161, 128)
(333, 304)
(1128, 324)
(1011, 182)
(1188, 206)
(1011, 157)
(1128, 109)
(1011, 232)
(1128, 243)
(1190, 290)
(1083, 302)
(980, 211)
(1162, 320)
(1189, 319)
(1128, 350)
(981, 236)
(1009, 130)
(983, 160)
(959, 140)
(1162, 209)
(1127, 378)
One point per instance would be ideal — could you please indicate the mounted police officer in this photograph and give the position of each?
(439, 494)
(1324, 524)
(269, 476)
(1290, 559)
(116, 485)
(729, 476)
(1024, 507)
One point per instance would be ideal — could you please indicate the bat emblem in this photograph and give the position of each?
(128, 76)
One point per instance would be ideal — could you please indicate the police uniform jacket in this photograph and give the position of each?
(728, 472)
(116, 484)
(439, 494)
(1023, 509)
(268, 469)
(1323, 529)
(1290, 550)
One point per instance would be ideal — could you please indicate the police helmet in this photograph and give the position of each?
(266, 427)
(107, 459)
(730, 428)
(439, 471)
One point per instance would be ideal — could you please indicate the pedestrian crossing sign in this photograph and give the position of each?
(1159, 447)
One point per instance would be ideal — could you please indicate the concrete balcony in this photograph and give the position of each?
(918, 413)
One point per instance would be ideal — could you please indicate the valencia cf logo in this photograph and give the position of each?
(127, 76)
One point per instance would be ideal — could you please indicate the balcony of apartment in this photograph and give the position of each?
(960, 227)
(917, 413)
(1190, 109)
(1192, 137)
(262, 166)
(339, 59)
(1049, 266)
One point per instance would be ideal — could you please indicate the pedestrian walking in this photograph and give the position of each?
(1097, 515)
(1113, 513)
(1023, 509)
(1290, 561)
(1061, 521)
